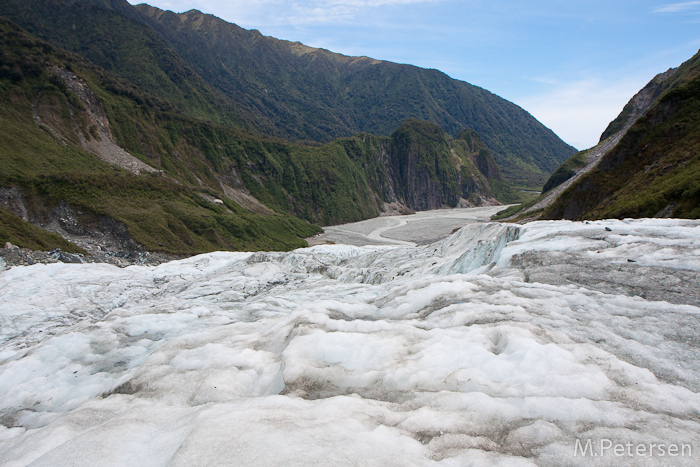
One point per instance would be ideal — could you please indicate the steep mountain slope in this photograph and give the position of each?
(318, 94)
(426, 169)
(218, 71)
(111, 35)
(646, 165)
(81, 150)
(52, 175)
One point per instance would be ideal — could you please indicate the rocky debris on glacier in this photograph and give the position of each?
(15, 256)
(499, 345)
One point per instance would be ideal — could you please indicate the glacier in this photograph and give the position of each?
(498, 345)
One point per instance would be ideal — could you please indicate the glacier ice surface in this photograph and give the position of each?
(499, 345)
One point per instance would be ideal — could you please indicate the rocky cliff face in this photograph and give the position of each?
(429, 170)
(424, 175)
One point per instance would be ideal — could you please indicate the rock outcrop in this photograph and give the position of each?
(428, 170)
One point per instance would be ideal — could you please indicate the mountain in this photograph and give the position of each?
(217, 71)
(63, 167)
(646, 165)
(108, 34)
(103, 163)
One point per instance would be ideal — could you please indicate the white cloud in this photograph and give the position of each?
(578, 112)
(678, 7)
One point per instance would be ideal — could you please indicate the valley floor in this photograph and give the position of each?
(553, 343)
(420, 228)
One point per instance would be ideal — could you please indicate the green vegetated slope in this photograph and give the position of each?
(584, 161)
(316, 94)
(43, 154)
(111, 35)
(48, 165)
(655, 168)
(212, 69)
(565, 171)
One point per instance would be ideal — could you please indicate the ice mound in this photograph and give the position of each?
(553, 343)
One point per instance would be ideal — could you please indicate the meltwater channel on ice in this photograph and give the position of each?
(554, 343)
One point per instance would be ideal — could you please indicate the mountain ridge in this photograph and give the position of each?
(209, 186)
(357, 81)
(646, 165)
(283, 89)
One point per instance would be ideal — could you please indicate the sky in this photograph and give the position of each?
(573, 64)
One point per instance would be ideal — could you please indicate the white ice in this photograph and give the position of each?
(499, 345)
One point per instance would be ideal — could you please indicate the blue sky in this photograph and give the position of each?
(573, 64)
